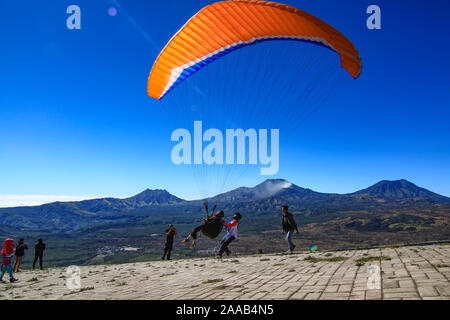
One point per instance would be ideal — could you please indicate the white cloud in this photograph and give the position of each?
(14, 200)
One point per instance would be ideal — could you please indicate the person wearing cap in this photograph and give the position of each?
(289, 226)
(231, 235)
(171, 232)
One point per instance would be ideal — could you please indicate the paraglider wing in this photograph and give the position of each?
(225, 26)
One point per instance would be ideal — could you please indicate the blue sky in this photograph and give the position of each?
(75, 118)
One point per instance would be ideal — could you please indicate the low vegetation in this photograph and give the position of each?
(212, 281)
(328, 259)
(362, 261)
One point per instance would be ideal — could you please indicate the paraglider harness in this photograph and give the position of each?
(213, 225)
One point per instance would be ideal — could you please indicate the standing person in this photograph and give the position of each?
(7, 255)
(289, 226)
(230, 236)
(20, 252)
(39, 252)
(171, 232)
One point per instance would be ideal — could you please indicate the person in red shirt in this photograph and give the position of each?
(7, 255)
(230, 236)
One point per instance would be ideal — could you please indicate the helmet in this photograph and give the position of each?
(237, 216)
(220, 214)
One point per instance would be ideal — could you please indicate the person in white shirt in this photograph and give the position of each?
(230, 236)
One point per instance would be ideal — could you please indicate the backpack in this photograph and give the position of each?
(213, 227)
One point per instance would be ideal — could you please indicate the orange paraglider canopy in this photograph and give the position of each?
(225, 26)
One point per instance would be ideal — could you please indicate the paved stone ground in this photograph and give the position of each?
(411, 273)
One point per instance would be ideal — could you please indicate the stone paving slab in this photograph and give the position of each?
(420, 272)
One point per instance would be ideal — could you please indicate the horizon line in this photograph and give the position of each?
(34, 200)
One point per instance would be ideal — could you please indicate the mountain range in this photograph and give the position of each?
(266, 197)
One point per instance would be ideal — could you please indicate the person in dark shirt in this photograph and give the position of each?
(289, 226)
(39, 252)
(171, 232)
(213, 220)
(20, 252)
